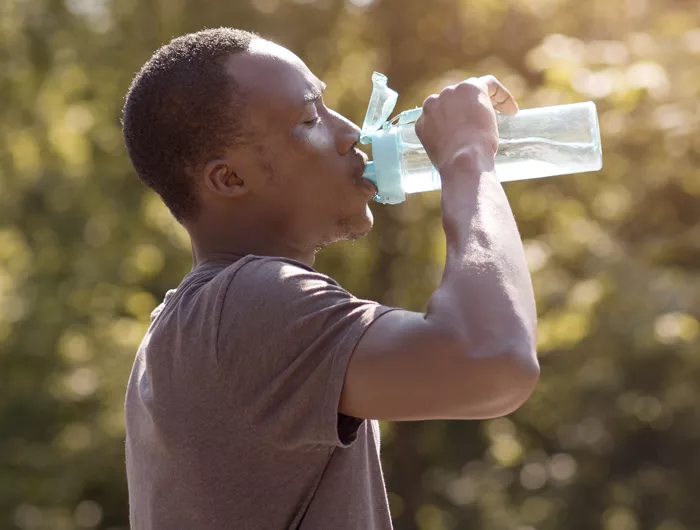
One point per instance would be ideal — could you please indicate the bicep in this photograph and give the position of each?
(409, 367)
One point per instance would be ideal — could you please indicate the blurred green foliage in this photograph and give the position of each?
(609, 440)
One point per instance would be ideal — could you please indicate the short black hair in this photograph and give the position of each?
(182, 109)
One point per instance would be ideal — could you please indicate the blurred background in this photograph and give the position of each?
(610, 439)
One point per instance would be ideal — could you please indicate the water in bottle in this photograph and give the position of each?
(534, 143)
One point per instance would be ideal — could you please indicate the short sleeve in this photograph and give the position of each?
(286, 336)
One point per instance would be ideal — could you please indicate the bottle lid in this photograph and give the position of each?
(384, 171)
(381, 105)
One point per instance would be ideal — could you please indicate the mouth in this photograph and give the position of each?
(369, 186)
(363, 182)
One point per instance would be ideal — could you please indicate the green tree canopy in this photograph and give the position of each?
(609, 440)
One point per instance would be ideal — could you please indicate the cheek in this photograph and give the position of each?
(319, 140)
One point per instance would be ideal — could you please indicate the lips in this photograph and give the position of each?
(368, 185)
(363, 182)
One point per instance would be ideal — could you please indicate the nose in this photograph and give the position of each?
(347, 134)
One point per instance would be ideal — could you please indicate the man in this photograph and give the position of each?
(254, 396)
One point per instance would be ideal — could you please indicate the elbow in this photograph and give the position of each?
(517, 382)
(497, 385)
(523, 380)
(496, 381)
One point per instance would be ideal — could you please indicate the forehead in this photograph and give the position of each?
(272, 77)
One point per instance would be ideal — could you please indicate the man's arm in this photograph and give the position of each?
(472, 354)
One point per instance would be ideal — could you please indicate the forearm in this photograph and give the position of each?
(486, 292)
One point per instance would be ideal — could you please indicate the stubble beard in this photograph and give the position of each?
(354, 228)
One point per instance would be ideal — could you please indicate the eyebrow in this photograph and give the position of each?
(315, 93)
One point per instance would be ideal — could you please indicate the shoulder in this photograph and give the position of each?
(275, 277)
(277, 305)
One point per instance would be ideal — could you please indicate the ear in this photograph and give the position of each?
(220, 178)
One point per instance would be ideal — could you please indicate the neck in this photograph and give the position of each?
(211, 245)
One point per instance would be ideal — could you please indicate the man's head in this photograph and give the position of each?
(231, 131)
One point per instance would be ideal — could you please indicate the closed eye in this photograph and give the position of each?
(313, 121)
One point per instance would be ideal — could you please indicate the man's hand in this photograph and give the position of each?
(461, 120)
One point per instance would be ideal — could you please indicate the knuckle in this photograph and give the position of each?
(447, 93)
(430, 103)
(467, 87)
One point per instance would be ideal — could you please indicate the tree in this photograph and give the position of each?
(607, 441)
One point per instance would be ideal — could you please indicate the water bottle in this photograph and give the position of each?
(540, 142)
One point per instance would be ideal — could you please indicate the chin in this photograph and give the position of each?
(353, 228)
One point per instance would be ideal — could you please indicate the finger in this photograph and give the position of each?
(501, 98)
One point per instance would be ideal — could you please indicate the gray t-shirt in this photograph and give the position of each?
(232, 405)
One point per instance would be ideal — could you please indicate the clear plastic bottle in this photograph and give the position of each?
(534, 143)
